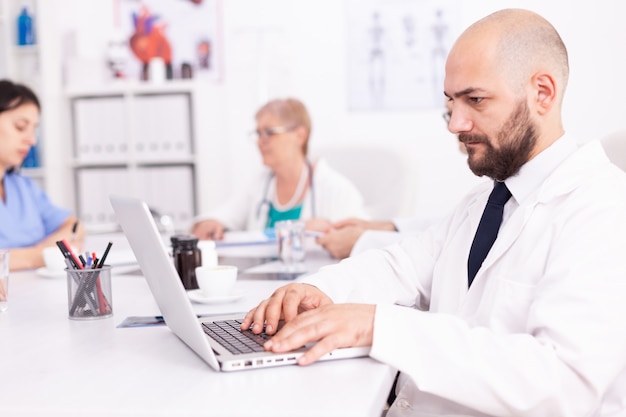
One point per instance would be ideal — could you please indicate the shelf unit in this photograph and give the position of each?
(20, 63)
(41, 67)
(137, 139)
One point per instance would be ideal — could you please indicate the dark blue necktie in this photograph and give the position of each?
(487, 229)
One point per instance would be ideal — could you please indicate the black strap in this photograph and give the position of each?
(392, 394)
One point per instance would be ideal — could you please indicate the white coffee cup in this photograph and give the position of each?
(216, 281)
(53, 259)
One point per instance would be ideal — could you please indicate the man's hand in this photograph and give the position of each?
(332, 326)
(285, 303)
(339, 242)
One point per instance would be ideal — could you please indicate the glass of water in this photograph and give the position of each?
(4, 279)
(290, 235)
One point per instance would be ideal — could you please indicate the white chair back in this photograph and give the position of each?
(615, 147)
(386, 178)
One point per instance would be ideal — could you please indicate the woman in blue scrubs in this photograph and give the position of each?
(29, 221)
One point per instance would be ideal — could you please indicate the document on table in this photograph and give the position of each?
(243, 238)
(276, 267)
(254, 244)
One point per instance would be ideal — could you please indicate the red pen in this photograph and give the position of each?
(71, 253)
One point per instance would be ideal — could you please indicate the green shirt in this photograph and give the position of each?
(274, 215)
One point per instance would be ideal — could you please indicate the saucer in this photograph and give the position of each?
(51, 273)
(197, 297)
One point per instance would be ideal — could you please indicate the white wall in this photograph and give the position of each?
(284, 47)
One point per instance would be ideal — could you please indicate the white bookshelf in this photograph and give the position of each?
(60, 164)
(39, 67)
(19, 63)
(138, 139)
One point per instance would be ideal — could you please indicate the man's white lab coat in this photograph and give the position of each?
(541, 331)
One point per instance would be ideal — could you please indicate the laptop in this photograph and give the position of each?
(206, 336)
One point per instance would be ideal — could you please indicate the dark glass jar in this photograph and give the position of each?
(174, 241)
(187, 257)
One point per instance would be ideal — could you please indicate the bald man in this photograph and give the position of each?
(539, 327)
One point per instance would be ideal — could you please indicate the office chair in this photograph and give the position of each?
(386, 178)
(615, 147)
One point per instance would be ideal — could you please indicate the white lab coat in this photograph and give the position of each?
(336, 198)
(376, 239)
(541, 331)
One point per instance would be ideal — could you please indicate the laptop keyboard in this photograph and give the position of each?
(229, 334)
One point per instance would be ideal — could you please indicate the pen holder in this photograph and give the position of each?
(89, 293)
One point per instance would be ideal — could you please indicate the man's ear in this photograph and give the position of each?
(545, 88)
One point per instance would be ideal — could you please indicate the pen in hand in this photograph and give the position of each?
(74, 229)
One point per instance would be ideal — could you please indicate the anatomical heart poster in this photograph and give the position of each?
(171, 39)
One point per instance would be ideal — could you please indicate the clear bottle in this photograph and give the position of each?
(209, 254)
(187, 257)
(25, 34)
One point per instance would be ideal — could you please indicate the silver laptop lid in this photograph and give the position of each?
(151, 253)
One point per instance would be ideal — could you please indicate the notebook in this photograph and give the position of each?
(149, 248)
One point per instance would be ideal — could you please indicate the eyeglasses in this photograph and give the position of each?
(447, 115)
(267, 133)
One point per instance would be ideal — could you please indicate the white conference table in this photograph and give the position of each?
(53, 366)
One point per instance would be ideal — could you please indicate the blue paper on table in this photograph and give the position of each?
(246, 238)
(268, 236)
(148, 321)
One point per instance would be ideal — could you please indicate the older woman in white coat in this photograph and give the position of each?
(291, 188)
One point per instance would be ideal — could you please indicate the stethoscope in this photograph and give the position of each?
(265, 202)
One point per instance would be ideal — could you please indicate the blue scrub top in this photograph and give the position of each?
(27, 216)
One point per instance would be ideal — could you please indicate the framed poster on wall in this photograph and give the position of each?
(396, 51)
(172, 39)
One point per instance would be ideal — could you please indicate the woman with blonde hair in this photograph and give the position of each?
(291, 187)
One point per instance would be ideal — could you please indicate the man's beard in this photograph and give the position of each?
(517, 139)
